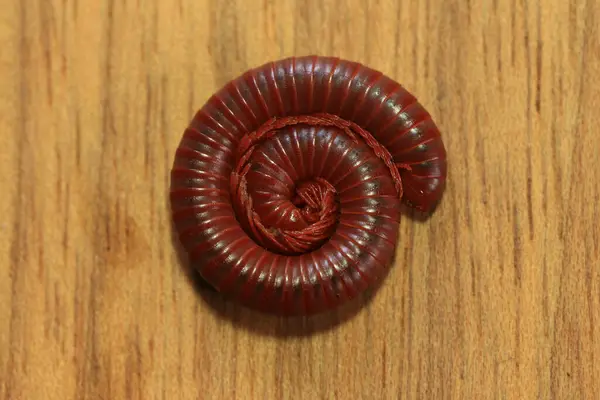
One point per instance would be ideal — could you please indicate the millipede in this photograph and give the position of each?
(287, 185)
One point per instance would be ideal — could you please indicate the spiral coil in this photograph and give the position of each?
(287, 184)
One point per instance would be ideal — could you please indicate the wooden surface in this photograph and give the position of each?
(495, 297)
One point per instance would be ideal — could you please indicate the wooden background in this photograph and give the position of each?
(495, 297)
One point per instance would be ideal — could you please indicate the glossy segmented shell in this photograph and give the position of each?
(287, 184)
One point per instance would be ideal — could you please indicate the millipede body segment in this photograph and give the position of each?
(287, 184)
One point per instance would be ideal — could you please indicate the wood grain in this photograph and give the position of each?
(497, 296)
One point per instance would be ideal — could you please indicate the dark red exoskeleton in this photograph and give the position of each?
(287, 184)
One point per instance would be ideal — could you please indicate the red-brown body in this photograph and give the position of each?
(286, 186)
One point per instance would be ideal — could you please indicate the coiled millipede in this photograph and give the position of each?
(287, 184)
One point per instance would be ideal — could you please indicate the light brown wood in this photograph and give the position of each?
(497, 296)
